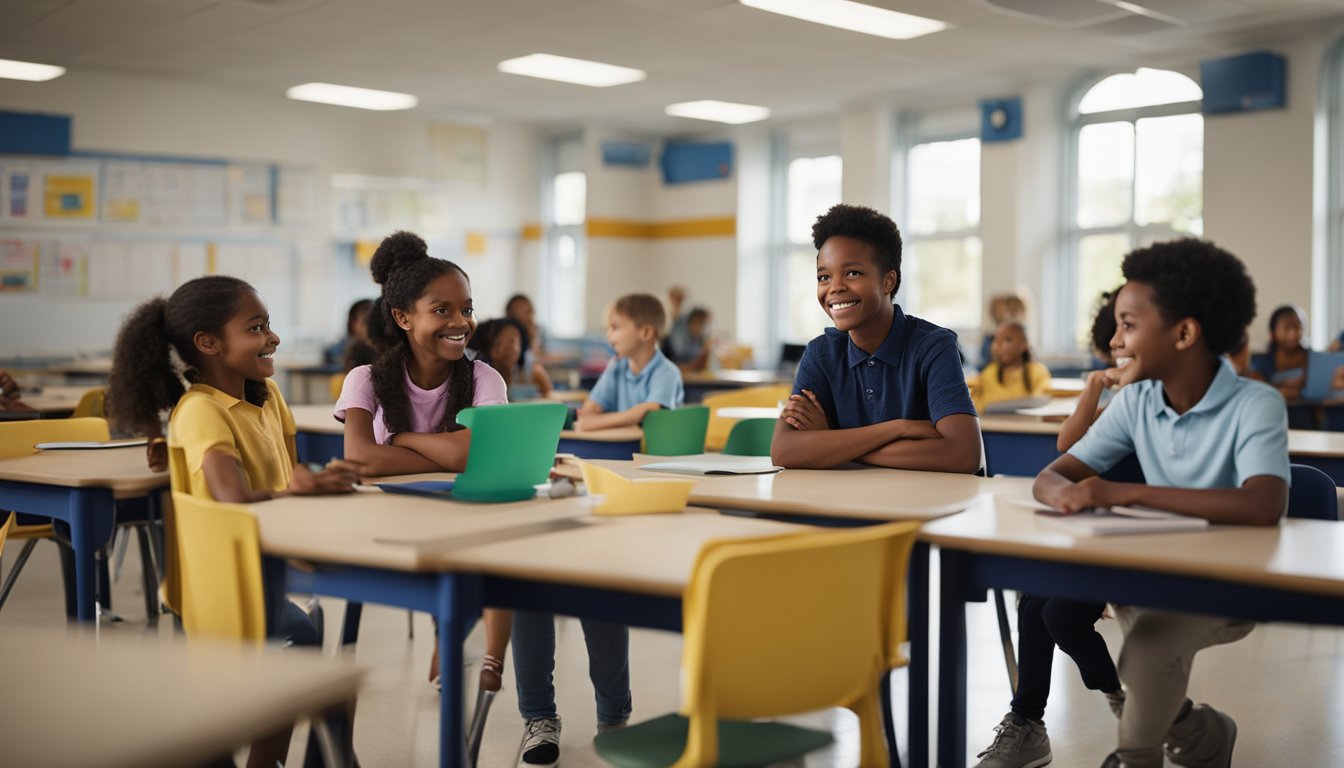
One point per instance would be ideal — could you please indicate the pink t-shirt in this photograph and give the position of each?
(427, 405)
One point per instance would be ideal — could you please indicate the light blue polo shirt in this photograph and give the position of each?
(1238, 430)
(620, 389)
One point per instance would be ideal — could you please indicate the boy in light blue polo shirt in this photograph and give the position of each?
(640, 378)
(1211, 444)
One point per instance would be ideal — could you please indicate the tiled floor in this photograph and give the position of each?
(1283, 684)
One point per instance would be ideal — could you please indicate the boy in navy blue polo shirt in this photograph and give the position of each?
(880, 387)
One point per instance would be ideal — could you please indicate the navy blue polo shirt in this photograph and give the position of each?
(914, 374)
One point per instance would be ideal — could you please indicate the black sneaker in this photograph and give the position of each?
(541, 743)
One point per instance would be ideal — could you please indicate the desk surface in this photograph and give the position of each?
(869, 493)
(316, 418)
(735, 377)
(1299, 555)
(544, 539)
(124, 470)
(613, 435)
(143, 701)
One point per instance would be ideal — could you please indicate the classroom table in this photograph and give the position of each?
(701, 383)
(88, 490)
(90, 368)
(83, 700)
(1023, 446)
(615, 443)
(320, 436)
(748, 412)
(452, 558)
(54, 402)
(1292, 572)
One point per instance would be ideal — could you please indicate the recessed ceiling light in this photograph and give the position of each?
(27, 70)
(856, 17)
(567, 70)
(719, 111)
(349, 96)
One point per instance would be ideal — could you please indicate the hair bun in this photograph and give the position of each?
(398, 251)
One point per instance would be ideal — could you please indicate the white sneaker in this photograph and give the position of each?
(541, 743)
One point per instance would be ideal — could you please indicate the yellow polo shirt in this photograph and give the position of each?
(262, 439)
(1013, 387)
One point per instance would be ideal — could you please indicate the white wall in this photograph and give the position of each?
(125, 114)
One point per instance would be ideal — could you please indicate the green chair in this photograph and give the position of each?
(676, 432)
(512, 450)
(750, 437)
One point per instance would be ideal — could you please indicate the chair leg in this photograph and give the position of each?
(889, 721)
(120, 540)
(149, 573)
(410, 625)
(104, 579)
(872, 738)
(1006, 636)
(333, 755)
(14, 570)
(476, 731)
(350, 628)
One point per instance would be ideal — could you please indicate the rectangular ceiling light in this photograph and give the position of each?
(349, 96)
(856, 17)
(719, 111)
(27, 70)
(567, 70)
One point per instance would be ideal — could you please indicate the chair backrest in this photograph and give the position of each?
(4, 529)
(676, 432)
(179, 476)
(789, 624)
(750, 437)
(221, 570)
(512, 450)
(716, 436)
(17, 438)
(1312, 494)
(91, 404)
(334, 386)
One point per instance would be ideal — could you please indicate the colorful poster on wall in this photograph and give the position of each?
(16, 191)
(18, 266)
(65, 270)
(122, 185)
(68, 195)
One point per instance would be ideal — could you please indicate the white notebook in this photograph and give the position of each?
(84, 445)
(715, 464)
(1114, 520)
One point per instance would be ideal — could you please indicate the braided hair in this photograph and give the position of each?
(145, 381)
(403, 267)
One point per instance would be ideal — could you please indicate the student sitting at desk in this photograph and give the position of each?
(1211, 445)
(640, 378)
(1012, 374)
(499, 343)
(520, 308)
(691, 349)
(1284, 364)
(880, 387)
(232, 427)
(355, 349)
(400, 413)
(9, 395)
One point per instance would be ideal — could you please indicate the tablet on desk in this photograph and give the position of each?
(1321, 368)
(84, 445)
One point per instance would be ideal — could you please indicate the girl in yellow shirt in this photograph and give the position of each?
(1012, 375)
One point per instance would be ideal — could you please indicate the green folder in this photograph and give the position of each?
(512, 450)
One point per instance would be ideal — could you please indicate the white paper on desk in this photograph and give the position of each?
(1113, 520)
(1063, 406)
(715, 464)
(89, 444)
(1017, 404)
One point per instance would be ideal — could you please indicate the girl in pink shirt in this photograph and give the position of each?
(400, 413)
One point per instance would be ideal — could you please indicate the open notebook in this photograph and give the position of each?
(1114, 520)
(714, 464)
(84, 445)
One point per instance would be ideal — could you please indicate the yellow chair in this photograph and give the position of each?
(774, 627)
(17, 438)
(180, 479)
(334, 386)
(750, 397)
(4, 530)
(91, 404)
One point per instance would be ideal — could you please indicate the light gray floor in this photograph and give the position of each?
(1283, 684)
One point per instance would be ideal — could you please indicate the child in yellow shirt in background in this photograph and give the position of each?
(1012, 374)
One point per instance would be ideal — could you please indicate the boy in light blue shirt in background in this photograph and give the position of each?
(640, 378)
(1211, 444)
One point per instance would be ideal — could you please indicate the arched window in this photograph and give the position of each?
(1136, 176)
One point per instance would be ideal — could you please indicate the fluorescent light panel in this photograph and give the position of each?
(719, 111)
(856, 17)
(27, 70)
(566, 70)
(349, 96)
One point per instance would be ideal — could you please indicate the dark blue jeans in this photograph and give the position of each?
(1043, 623)
(534, 665)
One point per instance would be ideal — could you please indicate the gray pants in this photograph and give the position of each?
(1154, 666)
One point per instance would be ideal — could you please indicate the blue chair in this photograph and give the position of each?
(1312, 495)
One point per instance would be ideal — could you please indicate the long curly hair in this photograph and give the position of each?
(403, 267)
(145, 379)
(483, 342)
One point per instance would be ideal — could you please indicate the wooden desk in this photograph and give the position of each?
(1293, 572)
(87, 490)
(618, 443)
(97, 368)
(54, 402)
(1023, 446)
(748, 412)
(857, 493)
(320, 436)
(451, 558)
(143, 701)
(699, 384)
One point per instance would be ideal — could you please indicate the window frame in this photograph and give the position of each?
(1061, 284)
(553, 302)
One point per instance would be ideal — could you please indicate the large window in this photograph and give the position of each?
(813, 186)
(1137, 177)
(941, 263)
(563, 267)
